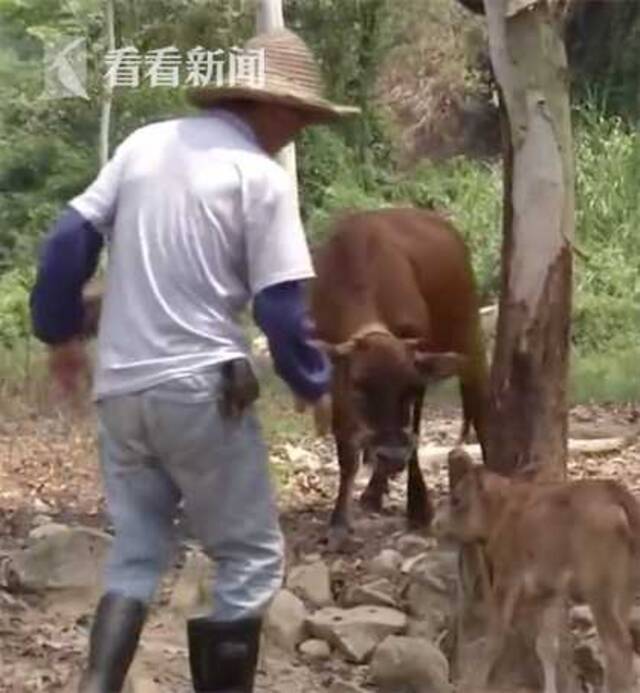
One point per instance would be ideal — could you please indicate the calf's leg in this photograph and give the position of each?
(548, 643)
(612, 622)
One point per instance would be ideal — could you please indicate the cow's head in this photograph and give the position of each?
(380, 376)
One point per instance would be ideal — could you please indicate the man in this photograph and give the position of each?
(199, 221)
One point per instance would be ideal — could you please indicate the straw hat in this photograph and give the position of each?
(289, 76)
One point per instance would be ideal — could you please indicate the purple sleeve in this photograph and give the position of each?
(68, 258)
(281, 313)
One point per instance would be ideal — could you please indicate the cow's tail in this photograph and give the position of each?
(474, 387)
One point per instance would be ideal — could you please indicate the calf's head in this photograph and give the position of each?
(380, 377)
(476, 497)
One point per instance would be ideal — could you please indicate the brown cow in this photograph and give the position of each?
(544, 543)
(395, 305)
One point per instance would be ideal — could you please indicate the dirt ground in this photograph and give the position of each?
(49, 467)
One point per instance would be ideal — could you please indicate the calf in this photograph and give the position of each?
(545, 543)
(394, 304)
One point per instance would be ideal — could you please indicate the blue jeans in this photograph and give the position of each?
(170, 443)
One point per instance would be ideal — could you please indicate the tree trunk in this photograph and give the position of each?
(107, 94)
(529, 378)
(270, 16)
(529, 409)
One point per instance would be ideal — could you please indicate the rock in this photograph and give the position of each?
(340, 568)
(430, 593)
(64, 558)
(192, 590)
(580, 617)
(408, 565)
(386, 564)
(315, 650)
(377, 593)
(311, 583)
(412, 544)
(285, 621)
(46, 529)
(344, 687)
(356, 632)
(589, 662)
(401, 663)
(42, 519)
(39, 506)
(300, 457)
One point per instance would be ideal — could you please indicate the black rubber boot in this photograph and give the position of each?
(223, 656)
(115, 633)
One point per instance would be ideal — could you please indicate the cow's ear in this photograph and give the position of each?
(459, 464)
(438, 366)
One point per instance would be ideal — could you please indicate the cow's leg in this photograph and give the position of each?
(419, 506)
(548, 643)
(340, 524)
(377, 487)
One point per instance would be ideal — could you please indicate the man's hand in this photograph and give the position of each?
(69, 365)
(322, 412)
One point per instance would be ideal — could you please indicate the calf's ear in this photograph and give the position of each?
(335, 351)
(438, 366)
(460, 464)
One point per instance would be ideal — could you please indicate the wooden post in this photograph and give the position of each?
(528, 421)
(270, 16)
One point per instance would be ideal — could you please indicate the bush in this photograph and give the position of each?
(15, 323)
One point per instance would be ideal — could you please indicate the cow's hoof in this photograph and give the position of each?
(371, 502)
(339, 539)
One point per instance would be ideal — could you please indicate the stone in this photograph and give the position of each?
(193, 589)
(356, 632)
(589, 662)
(284, 625)
(344, 687)
(386, 564)
(311, 583)
(402, 663)
(46, 529)
(300, 457)
(431, 593)
(377, 593)
(315, 650)
(580, 617)
(411, 544)
(42, 519)
(40, 507)
(68, 558)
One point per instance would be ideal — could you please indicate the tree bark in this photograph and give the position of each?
(270, 16)
(528, 425)
(528, 421)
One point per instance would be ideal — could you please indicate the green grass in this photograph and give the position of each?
(612, 377)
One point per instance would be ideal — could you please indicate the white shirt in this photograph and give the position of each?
(198, 219)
